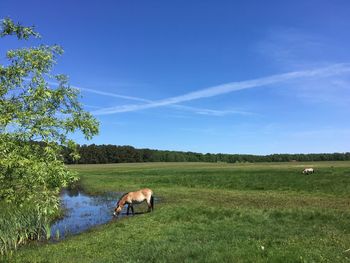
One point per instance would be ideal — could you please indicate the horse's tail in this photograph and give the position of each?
(152, 202)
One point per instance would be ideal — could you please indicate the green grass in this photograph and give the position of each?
(215, 213)
(20, 225)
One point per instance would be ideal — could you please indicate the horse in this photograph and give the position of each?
(135, 198)
(308, 171)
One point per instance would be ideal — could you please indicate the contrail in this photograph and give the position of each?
(113, 94)
(332, 70)
(201, 111)
(104, 93)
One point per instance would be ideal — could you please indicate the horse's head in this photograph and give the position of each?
(118, 209)
(120, 205)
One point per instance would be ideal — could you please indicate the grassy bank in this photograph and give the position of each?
(216, 213)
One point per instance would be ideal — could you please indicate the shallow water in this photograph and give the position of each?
(83, 211)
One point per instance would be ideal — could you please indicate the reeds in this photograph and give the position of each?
(20, 225)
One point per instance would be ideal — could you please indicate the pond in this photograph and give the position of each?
(83, 211)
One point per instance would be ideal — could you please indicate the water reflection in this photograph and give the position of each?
(83, 211)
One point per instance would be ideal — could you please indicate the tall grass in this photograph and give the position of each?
(19, 225)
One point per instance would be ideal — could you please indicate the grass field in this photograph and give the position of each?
(215, 213)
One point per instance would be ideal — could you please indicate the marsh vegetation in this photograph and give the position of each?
(216, 213)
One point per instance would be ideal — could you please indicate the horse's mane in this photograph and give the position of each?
(122, 197)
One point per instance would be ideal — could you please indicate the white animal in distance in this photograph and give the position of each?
(308, 171)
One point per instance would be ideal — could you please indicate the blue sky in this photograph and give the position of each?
(255, 77)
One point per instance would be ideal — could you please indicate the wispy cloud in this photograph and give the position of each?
(91, 106)
(332, 70)
(211, 112)
(295, 48)
(110, 94)
(201, 111)
(291, 48)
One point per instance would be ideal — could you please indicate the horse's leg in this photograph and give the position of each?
(132, 210)
(148, 200)
(127, 211)
(152, 202)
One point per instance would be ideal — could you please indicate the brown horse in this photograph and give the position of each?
(135, 197)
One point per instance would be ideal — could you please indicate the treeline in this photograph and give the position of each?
(94, 154)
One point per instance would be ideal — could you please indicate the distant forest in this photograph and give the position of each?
(93, 154)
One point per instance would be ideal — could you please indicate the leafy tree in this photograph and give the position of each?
(38, 113)
(122, 154)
